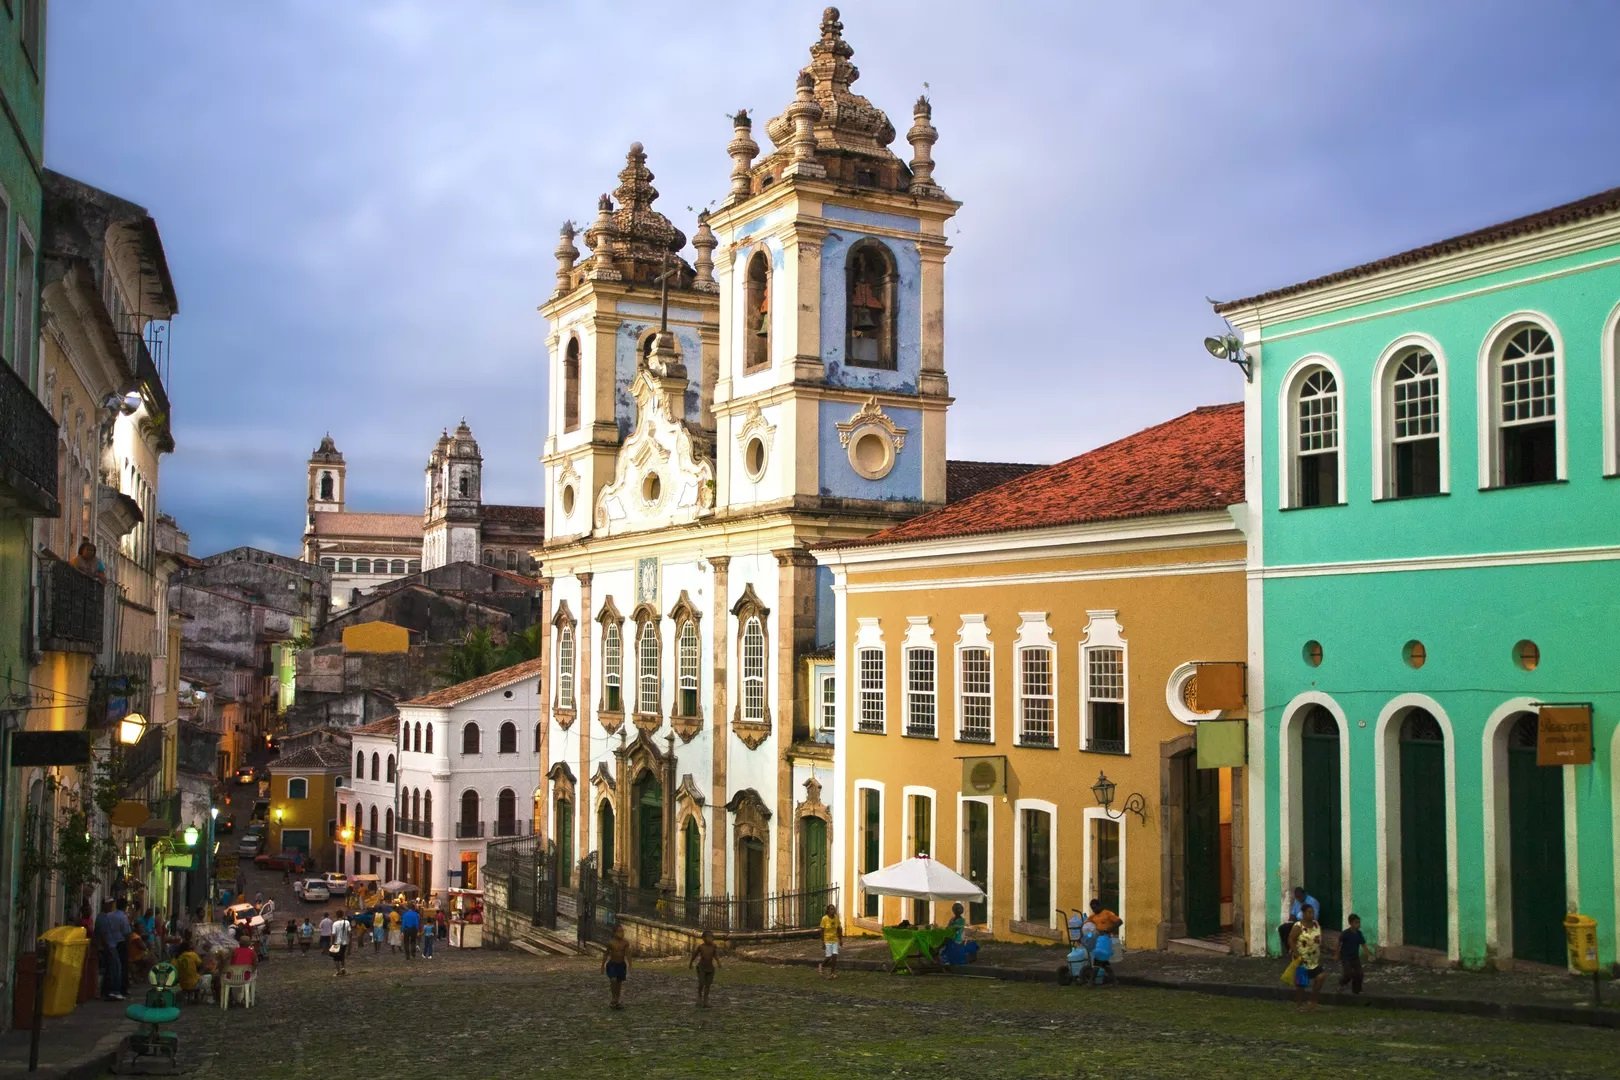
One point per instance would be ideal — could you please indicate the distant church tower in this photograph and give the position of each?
(452, 522)
(326, 475)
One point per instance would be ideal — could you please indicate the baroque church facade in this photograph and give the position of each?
(364, 550)
(711, 423)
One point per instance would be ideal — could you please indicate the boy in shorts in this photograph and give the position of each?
(707, 958)
(1352, 943)
(832, 939)
(616, 964)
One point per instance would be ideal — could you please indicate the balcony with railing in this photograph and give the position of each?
(469, 830)
(510, 826)
(414, 828)
(71, 612)
(27, 449)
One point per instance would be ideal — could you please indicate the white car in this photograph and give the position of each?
(312, 890)
(336, 883)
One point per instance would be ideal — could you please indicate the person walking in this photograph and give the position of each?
(396, 936)
(832, 939)
(326, 930)
(1300, 899)
(707, 958)
(340, 942)
(616, 964)
(1305, 943)
(122, 910)
(429, 932)
(410, 925)
(1352, 943)
(112, 927)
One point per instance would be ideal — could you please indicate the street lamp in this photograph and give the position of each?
(208, 861)
(190, 836)
(1103, 792)
(131, 728)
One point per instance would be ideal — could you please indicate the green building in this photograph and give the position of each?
(28, 434)
(1434, 528)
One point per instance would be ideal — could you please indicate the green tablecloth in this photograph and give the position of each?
(906, 942)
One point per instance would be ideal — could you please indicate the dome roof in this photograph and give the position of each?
(639, 238)
(849, 124)
(327, 451)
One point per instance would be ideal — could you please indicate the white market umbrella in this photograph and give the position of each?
(399, 886)
(921, 878)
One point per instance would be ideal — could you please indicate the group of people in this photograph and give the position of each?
(404, 928)
(1302, 940)
(128, 943)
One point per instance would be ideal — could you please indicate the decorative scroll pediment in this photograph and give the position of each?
(562, 781)
(665, 471)
(871, 414)
(602, 779)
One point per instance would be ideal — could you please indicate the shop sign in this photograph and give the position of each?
(1564, 735)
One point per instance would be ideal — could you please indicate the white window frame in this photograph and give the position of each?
(1088, 875)
(919, 639)
(755, 678)
(826, 700)
(1034, 633)
(1611, 393)
(869, 637)
(989, 804)
(1383, 412)
(859, 815)
(646, 672)
(613, 666)
(974, 634)
(1019, 886)
(915, 791)
(688, 677)
(1103, 632)
(565, 666)
(1489, 385)
(291, 780)
(6, 322)
(1288, 436)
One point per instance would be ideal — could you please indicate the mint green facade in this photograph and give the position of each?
(1448, 837)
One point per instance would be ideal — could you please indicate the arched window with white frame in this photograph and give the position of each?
(753, 652)
(1611, 394)
(1313, 451)
(564, 624)
(1411, 408)
(1522, 439)
(871, 701)
(570, 388)
(612, 624)
(648, 664)
(689, 659)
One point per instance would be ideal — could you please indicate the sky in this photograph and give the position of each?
(359, 198)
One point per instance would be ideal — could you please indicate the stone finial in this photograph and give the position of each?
(705, 243)
(567, 255)
(665, 361)
(803, 114)
(600, 238)
(922, 137)
(743, 149)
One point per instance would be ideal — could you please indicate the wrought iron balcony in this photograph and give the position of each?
(469, 829)
(71, 615)
(27, 449)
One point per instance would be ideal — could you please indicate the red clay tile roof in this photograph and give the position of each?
(1191, 463)
(515, 515)
(1604, 202)
(965, 478)
(388, 725)
(455, 695)
(345, 523)
(321, 755)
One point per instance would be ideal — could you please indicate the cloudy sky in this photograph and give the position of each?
(359, 199)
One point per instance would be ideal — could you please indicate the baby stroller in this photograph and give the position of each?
(1091, 955)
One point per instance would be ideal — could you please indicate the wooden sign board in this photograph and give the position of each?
(1564, 736)
(1223, 744)
(1221, 686)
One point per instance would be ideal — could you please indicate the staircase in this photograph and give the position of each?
(1217, 944)
(538, 941)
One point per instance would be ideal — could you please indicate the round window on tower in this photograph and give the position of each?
(871, 454)
(652, 489)
(754, 458)
(568, 500)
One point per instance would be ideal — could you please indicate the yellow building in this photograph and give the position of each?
(303, 801)
(998, 657)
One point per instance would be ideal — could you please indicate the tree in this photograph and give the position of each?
(526, 646)
(476, 655)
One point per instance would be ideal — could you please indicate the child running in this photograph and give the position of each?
(616, 964)
(832, 939)
(1352, 943)
(707, 958)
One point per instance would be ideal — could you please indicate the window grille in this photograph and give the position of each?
(975, 682)
(1035, 697)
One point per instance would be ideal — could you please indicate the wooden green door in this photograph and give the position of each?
(565, 842)
(692, 869)
(814, 841)
(1202, 848)
(649, 803)
(1424, 905)
(977, 828)
(1536, 848)
(604, 833)
(1320, 819)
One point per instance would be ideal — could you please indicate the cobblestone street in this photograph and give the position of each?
(505, 1014)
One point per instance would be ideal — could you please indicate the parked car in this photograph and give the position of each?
(251, 845)
(226, 825)
(337, 883)
(247, 774)
(281, 860)
(312, 890)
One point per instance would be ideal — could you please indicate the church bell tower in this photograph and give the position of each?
(326, 478)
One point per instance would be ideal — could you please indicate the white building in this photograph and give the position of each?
(469, 763)
(366, 804)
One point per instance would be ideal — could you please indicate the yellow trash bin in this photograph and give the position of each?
(68, 947)
(1580, 933)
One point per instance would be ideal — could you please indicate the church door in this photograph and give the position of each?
(813, 842)
(751, 882)
(649, 808)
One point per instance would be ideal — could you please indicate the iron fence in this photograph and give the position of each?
(73, 607)
(27, 446)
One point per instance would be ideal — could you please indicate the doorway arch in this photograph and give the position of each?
(647, 836)
(1313, 802)
(604, 831)
(1536, 857)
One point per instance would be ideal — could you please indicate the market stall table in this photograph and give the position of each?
(909, 943)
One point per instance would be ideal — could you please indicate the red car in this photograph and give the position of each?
(285, 860)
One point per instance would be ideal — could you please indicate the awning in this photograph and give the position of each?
(921, 878)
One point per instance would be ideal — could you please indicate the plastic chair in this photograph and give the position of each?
(238, 979)
(152, 1045)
